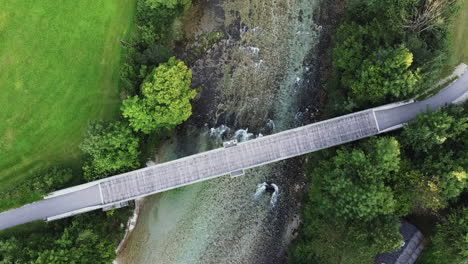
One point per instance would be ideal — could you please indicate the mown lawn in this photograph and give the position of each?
(460, 36)
(59, 64)
(459, 40)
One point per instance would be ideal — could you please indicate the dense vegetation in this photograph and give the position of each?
(87, 238)
(449, 244)
(110, 149)
(38, 185)
(59, 70)
(158, 98)
(166, 98)
(152, 45)
(387, 51)
(359, 191)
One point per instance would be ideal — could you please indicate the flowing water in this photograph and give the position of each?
(258, 80)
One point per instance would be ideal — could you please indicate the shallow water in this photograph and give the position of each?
(260, 73)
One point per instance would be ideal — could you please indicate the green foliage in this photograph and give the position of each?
(88, 238)
(160, 13)
(38, 185)
(450, 243)
(354, 180)
(382, 54)
(351, 48)
(52, 179)
(393, 13)
(152, 43)
(435, 146)
(110, 148)
(166, 98)
(377, 44)
(384, 75)
(429, 129)
(406, 187)
(331, 241)
(326, 239)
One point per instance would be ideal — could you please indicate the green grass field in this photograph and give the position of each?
(459, 38)
(460, 35)
(59, 64)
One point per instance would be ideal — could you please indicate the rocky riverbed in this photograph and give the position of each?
(257, 75)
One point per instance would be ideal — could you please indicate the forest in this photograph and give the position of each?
(358, 194)
(386, 51)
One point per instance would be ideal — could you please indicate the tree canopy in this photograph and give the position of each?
(385, 74)
(165, 100)
(85, 238)
(110, 148)
(450, 242)
(435, 146)
(349, 217)
(354, 180)
(329, 240)
(160, 12)
(433, 128)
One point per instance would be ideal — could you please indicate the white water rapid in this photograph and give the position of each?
(262, 187)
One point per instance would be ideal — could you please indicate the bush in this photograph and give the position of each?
(52, 179)
(110, 148)
(160, 13)
(328, 240)
(450, 242)
(384, 75)
(35, 187)
(435, 149)
(166, 98)
(431, 129)
(370, 58)
(87, 238)
(353, 182)
(152, 43)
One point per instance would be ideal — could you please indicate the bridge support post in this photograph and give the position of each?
(115, 206)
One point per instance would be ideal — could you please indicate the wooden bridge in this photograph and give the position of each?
(232, 159)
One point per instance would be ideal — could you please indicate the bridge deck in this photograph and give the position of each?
(245, 155)
(203, 166)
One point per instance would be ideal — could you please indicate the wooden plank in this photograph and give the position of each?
(244, 155)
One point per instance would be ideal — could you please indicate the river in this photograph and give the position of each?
(259, 79)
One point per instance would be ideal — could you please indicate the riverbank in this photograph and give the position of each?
(262, 77)
(131, 223)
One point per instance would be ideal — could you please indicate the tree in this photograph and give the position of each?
(354, 180)
(450, 242)
(350, 48)
(330, 240)
(51, 179)
(9, 250)
(435, 146)
(432, 14)
(433, 128)
(385, 74)
(392, 13)
(166, 98)
(86, 238)
(110, 148)
(160, 13)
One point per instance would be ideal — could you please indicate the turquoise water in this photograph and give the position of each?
(264, 64)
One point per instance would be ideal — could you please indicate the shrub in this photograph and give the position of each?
(110, 148)
(450, 242)
(353, 181)
(166, 98)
